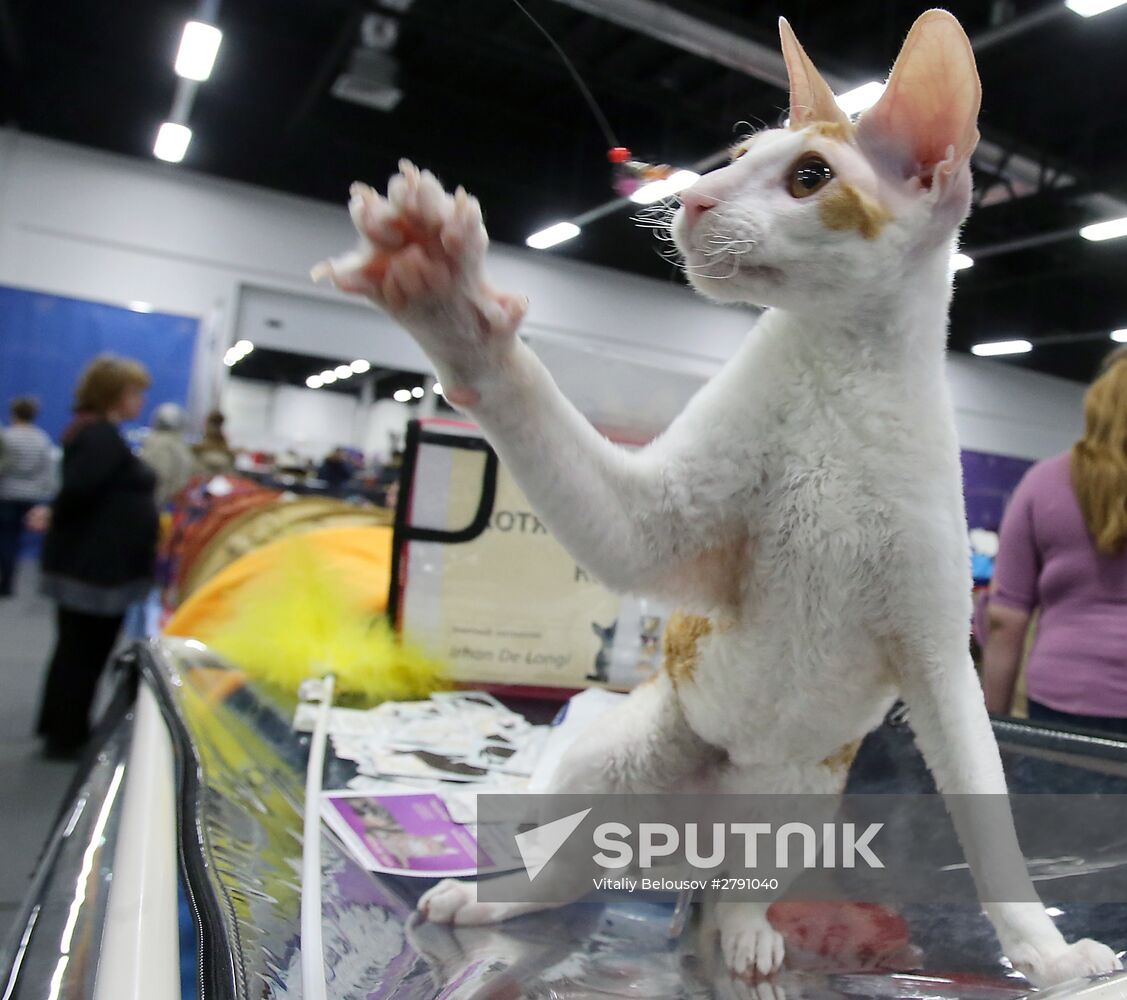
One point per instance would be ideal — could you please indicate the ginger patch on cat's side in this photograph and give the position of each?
(683, 633)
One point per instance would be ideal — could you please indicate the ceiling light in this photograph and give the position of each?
(343, 371)
(314, 382)
(1000, 347)
(437, 388)
(418, 392)
(328, 377)
(549, 237)
(402, 395)
(960, 262)
(854, 101)
(1119, 336)
(230, 360)
(141, 307)
(198, 45)
(1110, 230)
(1090, 8)
(360, 366)
(664, 188)
(172, 142)
(244, 346)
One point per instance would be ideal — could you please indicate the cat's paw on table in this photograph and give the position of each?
(1069, 961)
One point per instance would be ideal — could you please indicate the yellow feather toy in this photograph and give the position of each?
(301, 622)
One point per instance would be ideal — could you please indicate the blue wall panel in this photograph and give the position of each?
(46, 341)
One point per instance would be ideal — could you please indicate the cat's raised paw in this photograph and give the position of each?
(1073, 961)
(421, 258)
(419, 242)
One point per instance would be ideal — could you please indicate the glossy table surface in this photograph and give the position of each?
(240, 789)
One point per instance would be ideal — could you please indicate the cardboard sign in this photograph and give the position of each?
(480, 580)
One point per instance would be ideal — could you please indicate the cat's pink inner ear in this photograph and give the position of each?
(930, 106)
(811, 99)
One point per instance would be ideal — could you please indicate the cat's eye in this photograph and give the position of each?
(809, 174)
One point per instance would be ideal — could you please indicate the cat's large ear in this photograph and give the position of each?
(811, 99)
(925, 124)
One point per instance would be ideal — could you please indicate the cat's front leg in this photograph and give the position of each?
(633, 519)
(952, 729)
(750, 945)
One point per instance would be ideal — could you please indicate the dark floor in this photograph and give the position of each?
(31, 788)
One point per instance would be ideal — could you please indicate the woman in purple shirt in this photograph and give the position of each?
(1064, 551)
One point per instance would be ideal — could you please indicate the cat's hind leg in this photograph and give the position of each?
(644, 745)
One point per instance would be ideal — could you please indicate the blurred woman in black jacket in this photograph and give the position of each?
(100, 547)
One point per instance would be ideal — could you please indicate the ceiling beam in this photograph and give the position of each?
(701, 38)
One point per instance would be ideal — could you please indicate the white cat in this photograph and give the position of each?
(806, 506)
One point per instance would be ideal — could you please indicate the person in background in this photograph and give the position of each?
(167, 453)
(335, 469)
(100, 547)
(1063, 550)
(26, 479)
(212, 453)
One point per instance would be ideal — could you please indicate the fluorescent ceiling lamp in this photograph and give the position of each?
(172, 142)
(1000, 347)
(437, 388)
(1090, 8)
(402, 395)
(141, 307)
(230, 360)
(314, 382)
(1110, 230)
(960, 262)
(1119, 336)
(198, 45)
(360, 366)
(328, 376)
(854, 101)
(665, 188)
(549, 237)
(244, 347)
(343, 371)
(418, 392)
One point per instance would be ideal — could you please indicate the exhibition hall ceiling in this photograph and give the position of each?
(473, 90)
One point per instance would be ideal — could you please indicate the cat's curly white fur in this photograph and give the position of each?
(807, 504)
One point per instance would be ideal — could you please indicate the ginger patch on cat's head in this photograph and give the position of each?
(848, 208)
(832, 130)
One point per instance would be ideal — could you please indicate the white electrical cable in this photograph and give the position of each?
(312, 949)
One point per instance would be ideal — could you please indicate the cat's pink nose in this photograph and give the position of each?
(696, 204)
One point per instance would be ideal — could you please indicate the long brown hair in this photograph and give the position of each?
(1099, 458)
